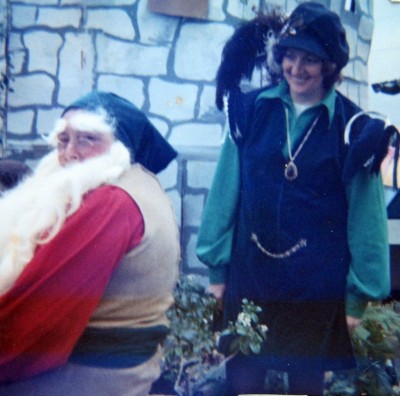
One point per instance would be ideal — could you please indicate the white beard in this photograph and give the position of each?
(34, 211)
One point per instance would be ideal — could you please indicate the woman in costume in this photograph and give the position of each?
(89, 256)
(295, 219)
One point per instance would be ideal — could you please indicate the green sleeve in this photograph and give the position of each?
(369, 274)
(214, 242)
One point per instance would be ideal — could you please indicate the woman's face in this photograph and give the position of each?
(303, 72)
(78, 144)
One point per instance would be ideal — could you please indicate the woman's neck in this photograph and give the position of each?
(308, 100)
(300, 108)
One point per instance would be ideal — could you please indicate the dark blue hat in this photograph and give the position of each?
(146, 145)
(314, 28)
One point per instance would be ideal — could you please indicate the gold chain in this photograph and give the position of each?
(299, 245)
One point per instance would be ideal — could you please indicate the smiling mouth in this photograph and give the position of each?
(299, 79)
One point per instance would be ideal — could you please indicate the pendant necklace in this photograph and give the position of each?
(291, 171)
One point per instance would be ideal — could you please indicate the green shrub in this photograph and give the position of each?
(191, 359)
(376, 344)
(194, 366)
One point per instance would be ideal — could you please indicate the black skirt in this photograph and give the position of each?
(312, 334)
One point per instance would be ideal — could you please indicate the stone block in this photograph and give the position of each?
(348, 70)
(76, 68)
(20, 122)
(43, 49)
(336, 6)
(126, 58)
(15, 42)
(160, 125)
(39, 2)
(192, 209)
(196, 134)
(101, 3)
(363, 50)
(22, 16)
(169, 176)
(243, 11)
(17, 61)
(276, 3)
(191, 260)
(290, 6)
(352, 39)
(366, 28)
(174, 101)
(343, 87)
(353, 92)
(208, 111)
(360, 71)
(114, 22)
(129, 88)
(33, 90)
(155, 29)
(363, 93)
(365, 6)
(176, 200)
(198, 50)
(57, 18)
(200, 174)
(215, 11)
(46, 119)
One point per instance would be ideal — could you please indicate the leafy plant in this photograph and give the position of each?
(376, 344)
(191, 359)
(194, 367)
(248, 333)
(190, 349)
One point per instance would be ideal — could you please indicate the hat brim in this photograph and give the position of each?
(305, 43)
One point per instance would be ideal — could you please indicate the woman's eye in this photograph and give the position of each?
(289, 55)
(312, 60)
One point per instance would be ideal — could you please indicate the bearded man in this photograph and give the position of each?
(89, 257)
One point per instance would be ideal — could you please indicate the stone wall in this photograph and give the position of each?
(3, 73)
(60, 49)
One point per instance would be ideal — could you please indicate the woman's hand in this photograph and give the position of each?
(352, 323)
(218, 291)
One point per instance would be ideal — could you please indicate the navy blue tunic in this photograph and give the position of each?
(302, 294)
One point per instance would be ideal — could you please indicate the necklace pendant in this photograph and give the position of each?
(291, 172)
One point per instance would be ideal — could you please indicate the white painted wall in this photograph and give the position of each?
(384, 60)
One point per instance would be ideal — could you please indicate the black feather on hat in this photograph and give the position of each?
(245, 50)
(248, 48)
